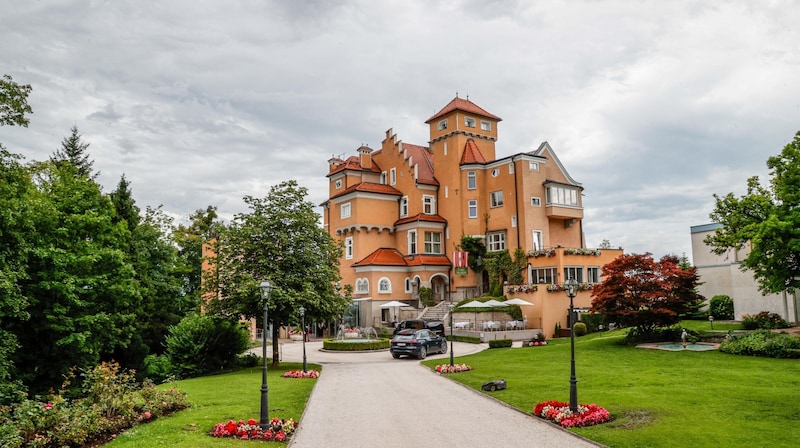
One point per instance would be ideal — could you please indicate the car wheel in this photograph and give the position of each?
(395, 355)
(443, 347)
(423, 352)
(492, 388)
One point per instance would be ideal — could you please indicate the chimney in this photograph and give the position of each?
(365, 157)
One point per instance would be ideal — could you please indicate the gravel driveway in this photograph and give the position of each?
(371, 400)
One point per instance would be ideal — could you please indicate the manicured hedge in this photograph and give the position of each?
(344, 346)
(499, 343)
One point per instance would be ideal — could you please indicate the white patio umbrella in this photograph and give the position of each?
(394, 304)
(476, 304)
(496, 303)
(517, 301)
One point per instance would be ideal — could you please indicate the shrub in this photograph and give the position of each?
(202, 344)
(765, 320)
(344, 346)
(721, 307)
(593, 321)
(499, 343)
(763, 343)
(580, 329)
(158, 367)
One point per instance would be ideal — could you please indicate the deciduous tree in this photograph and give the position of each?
(766, 222)
(639, 292)
(279, 240)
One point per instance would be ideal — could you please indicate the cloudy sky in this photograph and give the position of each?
(653, 106)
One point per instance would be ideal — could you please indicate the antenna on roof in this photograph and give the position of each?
(456, 93)
(468, 97)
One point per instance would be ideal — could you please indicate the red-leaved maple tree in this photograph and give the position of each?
(640, 292)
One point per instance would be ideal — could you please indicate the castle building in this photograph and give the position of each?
(401, 212)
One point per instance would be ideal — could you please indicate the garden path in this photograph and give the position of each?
(372, 400)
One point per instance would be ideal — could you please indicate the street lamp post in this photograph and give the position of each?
(571, 287)
(452, 307)
(266, 289)
(303, 318)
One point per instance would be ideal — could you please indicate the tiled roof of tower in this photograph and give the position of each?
(370, 188)
(472, 154)
(393, 257)
(421, 217)
(383, 257)
(353, 163)
(466, 106)
(428, 259)
(421, 155)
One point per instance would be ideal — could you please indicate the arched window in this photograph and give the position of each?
(384, 286)
(408, 284)
(362, 286)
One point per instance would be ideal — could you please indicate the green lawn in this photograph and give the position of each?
(657, 398)
(217, 399)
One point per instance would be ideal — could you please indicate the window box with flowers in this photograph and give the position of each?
(527, 288)
(582, 251)
(542, 253)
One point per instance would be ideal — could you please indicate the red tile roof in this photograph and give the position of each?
(353, 163)
(422, 157)
(463, 105)
(383, 257)
(370, 188)
(393, 257)
(472, 154)
(421, 217)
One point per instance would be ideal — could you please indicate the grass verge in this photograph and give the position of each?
(657, 398)
(217, 399)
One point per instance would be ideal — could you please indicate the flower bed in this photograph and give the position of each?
(558, 412)
(279, 430)
(446, 368)
(301, 374)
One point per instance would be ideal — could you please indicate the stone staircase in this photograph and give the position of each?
(438, 312)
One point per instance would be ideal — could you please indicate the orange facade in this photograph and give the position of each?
(400, 211)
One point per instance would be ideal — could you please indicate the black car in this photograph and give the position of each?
(436, 326)
(417, 343)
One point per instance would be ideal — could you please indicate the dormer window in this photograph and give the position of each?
(442, 125)
(338, 184)
(469, 122)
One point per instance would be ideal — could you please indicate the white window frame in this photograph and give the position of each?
(593, 275)
(575, 272)
(533, 166)
(442, 125)
(562, 195)
(433, 242)
(538, 241)
(510, 168)
(496, 199)
(384, 286)
(496, 241)
(472, 180)
(383, 178)
(469, 122)
(486, 125)
(362, 286)
(514, 221)
(392, 176)
(348, 248)
(404, 206)
(407, 284)
(412, 242)
(472, 208)
(338, 184)
(544, 275)
(345, 210)
(536, 201)
(495, 172)
(428, 204)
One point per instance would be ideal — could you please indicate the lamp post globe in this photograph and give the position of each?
(266, 289)
(571, 288)
(302, 311)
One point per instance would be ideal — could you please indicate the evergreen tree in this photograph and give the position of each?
(74, 152)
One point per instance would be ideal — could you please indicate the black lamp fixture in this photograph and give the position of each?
(266, 289)
(571, 288)
(303, 318)
(452, 307)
